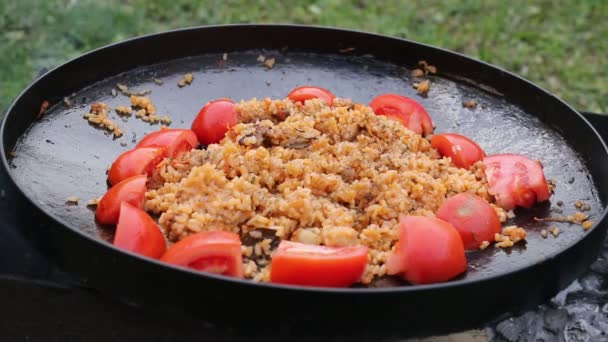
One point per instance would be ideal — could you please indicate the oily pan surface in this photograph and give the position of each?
(76, 155)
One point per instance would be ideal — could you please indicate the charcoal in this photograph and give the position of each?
(601, 323)
(581, 331)
(560, 298)
(527, 327)
(577, 313)
(510, 329)
(555, 320)
(600, 266)
(598, 339)
(592, 281)
(587, 296)
(582, 310)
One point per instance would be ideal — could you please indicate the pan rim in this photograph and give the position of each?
(245, 282)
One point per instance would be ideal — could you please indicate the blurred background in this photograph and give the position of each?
(560, 45)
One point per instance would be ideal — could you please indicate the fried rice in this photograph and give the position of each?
(327, 175)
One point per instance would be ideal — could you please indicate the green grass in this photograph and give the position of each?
(561, 45)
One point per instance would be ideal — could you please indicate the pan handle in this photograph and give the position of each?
(599, 121)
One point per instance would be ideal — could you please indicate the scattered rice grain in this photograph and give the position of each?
(423, 87)
(72, 200)
(93, 202)
(123, 110)
(269, 63)
(552, 183)
(587, 224)
(484, 245)
(417, 73)
(472, 104)
(186, 80)
(428, 69)
(117, 132)
(98, 115)
(165, 119)
(554, 230)
(124, 89)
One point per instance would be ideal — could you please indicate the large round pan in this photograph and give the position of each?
(57, 154)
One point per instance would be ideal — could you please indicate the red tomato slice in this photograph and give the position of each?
(310, 265)
(429, 250)
(175, 140)
(303, 93)
(138, 161)
(137, 232)
(214, 120)
(515, 180)
(216, 252)
(463, 151)
(130, 190)
(472, 216)
(409, 112)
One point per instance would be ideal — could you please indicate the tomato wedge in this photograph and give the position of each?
(214, 120)
(515, 180)
(137, 232)
(131, 190)
(429, 250)
(303, 93)
(472, 216)
(463, 151)
(138, 161)
(409, 112)
(216, 252)
(296, 263)
(176, 141)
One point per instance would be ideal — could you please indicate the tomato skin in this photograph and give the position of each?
(296, 263)
(214, 120)
(138, 161)
(515, 180)
(429, 250)
(472, 216)
(138, 232)
(463, 151)
(409, 112)
(131, 190)
(176, 141)
(216, 252)
(303, 93)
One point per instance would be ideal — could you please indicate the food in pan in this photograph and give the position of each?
(316, 190)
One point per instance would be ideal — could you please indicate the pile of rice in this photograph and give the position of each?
(334, 176)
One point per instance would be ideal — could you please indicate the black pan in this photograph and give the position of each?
(58, 154)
